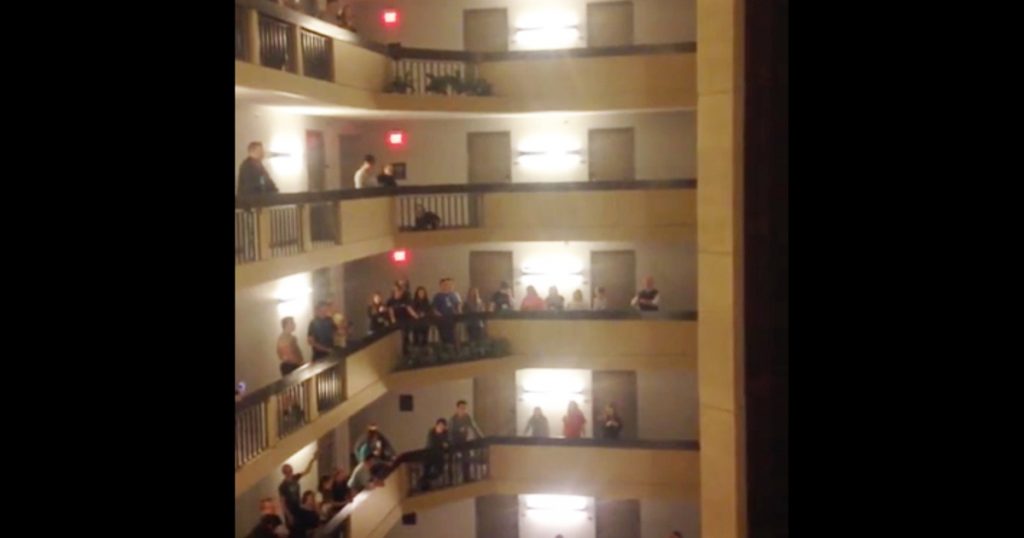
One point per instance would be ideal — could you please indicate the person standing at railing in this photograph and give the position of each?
(253, 178)
(532, 302)
(474, 305)
(387, 177)
(462, 425)
(554, 301)
(611, 422)
(288, 347)
(577, 302)
(537, 426)
(438, 446)
(321, 332)
(447, 304)
(426, 220)
(646, 300)
(573, 423)
(290, 490)
(401, 311)
(381, 317)
(502, 299)
(364, 176)
(600, 299)
(422, 307)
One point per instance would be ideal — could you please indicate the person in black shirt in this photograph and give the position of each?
(266, 527)
(646, 299)
(425, 220)
(387, 177)
(380, 316)
(502, 299)
(289, 490)
(253, 178)
(421, 307)
(438, 444)
(401, 311)
(321, 332)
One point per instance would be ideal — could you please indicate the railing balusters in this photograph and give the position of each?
(316, 55)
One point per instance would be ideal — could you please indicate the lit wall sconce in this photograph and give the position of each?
(556, 508)
(547, 36)
(550, 159)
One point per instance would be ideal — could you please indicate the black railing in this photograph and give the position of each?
(328, 375)
(451, 211)
(430, 470)
(316, 55)
(441, 77)
(246, 239)
(276, 44)
(285, 231)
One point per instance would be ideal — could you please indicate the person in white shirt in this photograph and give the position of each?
(646, 300)
(600, 299)
(577, 302)
(363, 176)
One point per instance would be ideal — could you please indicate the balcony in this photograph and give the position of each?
(276, 421)
(280, 235)
(298, 61)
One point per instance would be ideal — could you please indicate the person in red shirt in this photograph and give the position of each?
(532, 301)
(574, 422)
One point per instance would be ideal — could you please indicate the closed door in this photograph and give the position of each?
(485, 30)
(615, 270)
(617, 388)
(316, 164)
(494, 404)
(497, 516)
(350, 159)
(488, 269)
(490, 157)
(611, 154)
(610, 24)
(617, 519)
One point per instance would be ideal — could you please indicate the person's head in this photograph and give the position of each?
(441, 425)
(288, 325)
(403, 284)
(270, 522)
(323, 308)
(375, 298)
(649, 282)
(255, 150)
(531, 291)
(460, 407)
(473, 295)
(346, 12)
(600, 291)
(577, 296)
(309, 499)
(504, 286)
(389, 170)
(421, 293)
(573, 406)
(287, 470)
(553, 291)
(420, 210)
(609, 409)
(369, 161)
(538, 412)
(267, 506)
(326, 482)
(397, 290)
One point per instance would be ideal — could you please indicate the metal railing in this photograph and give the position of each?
(438, 211)
(316, 55)
(441, 77)
(285, 231)
(246, 238)
(276, 43)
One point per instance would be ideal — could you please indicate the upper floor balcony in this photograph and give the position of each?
(292, 60)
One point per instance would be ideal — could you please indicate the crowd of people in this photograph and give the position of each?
(574, 423)
(329, 329)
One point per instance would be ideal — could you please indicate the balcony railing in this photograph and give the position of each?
(278, 225)
(283, 39)
(282, 408)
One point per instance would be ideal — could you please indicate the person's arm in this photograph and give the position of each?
(476, 429)
(309, 466)
(281, 352)
(656, 297)
(635, 301)
(529, 425)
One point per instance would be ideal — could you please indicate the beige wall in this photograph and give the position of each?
(452, 520)
(258, 313)
(660, 517)
(436, 151)
(408, 430)
(654, 21)
(667, 402)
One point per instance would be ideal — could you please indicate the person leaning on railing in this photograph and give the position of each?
(426, 220)
(253, 178)
(321, 332)
(422, 307)
(438, 446)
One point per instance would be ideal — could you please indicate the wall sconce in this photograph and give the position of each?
(550, 159)
(556, 508)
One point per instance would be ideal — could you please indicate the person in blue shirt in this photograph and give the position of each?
(446, 304)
